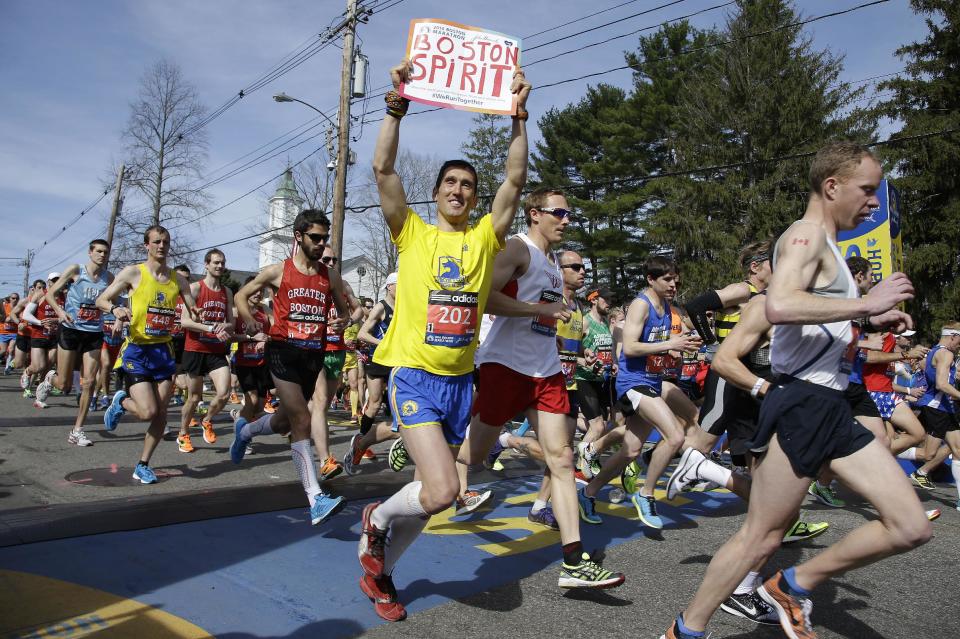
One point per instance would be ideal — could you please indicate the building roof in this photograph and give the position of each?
(286, 188)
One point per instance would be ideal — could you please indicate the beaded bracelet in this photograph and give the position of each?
(397, 105)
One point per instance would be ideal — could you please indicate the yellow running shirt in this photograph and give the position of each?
(154, 308)
(443, 281)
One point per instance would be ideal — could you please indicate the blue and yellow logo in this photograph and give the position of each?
(450, 272)
(408, 408)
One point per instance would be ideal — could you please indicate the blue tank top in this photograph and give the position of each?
(933, 398)
(380, 330)
(646, 370)
(856, 370)
(81, 302)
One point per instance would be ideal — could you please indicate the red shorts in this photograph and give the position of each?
(505, 393)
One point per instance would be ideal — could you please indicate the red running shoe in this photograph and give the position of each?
(384, 597)
(373, 542)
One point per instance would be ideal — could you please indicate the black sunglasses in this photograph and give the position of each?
(575, 267)
(318, 238)
(556, 212)
(329, 260)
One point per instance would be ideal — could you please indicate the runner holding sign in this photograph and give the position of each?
(444, 278)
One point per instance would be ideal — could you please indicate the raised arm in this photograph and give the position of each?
(393, 199)
(507, 200)
(715, 300)
(65, 279)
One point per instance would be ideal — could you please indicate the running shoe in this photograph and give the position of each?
(588, 461)
(234, 414)
(234, 398)
(178, 400)
(794, 612)
(144, 474)
(646, 456)
(39, 404)
(193, 423)
(248, 450)
(92, 405)
(111, 417)
(933, 514)
(587, 507)
(802, 530)
(330, 468)
(324, 506)
(239, 446)
(588, 574)
(43, 390)
(27, 393)
(647, 510)
(398, 456)
(8, 370)
(750, 606)
(208, 435)
(369, 454)
(103, 402)
(825, 495)
(685, 473)
(628, 478)
(373, 542)
(383, 594)
(56, 392)
(25, 380)
(184, 444)
(544, 517)
(673, 632)
(78, 438)
(493, 458)
(351, 458)
(471, 500)
(923, 481)
(522, 429)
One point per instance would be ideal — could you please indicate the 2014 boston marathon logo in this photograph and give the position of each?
(408, 408)
(450, 273)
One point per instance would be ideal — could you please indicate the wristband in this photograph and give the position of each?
(521, 114)
(397, 105)
(113, 308)
(757, 385)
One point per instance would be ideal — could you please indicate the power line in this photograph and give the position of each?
(607, 24)
(653, 176)
(74, 220)
(575, 20)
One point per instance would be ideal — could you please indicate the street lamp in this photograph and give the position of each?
(340, 185)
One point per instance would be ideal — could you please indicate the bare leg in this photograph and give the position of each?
(904, 419)
(91, 365)
(194, 394)
(222, 387)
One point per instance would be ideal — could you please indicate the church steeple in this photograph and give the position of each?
(286, 202)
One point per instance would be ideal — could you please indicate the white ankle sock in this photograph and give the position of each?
(306, 469)
(712, 471)
(749, 584)
(503, 438)
(538, 505)
(403, 531)
(955, 468)
(910, 454)
(257, 427)
(404, 503)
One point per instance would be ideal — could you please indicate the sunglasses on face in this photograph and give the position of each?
(328, 260)
(576, 268)
(556, 211)
(318, 238)
(368, 307)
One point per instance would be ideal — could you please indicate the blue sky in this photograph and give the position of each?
(70, 69)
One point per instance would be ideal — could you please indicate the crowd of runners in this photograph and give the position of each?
(800, 374)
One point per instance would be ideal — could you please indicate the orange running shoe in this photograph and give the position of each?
(208, 435)
(794, 612)
(194, 423)
(184, 444)
(330, 469)
(234, 398)
(369, 454)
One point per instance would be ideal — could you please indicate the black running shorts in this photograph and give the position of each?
(46, 343)
(377, 371)
(80, 341)
(23, 343)
(299, 366)
(179, 342)
(594, 399)
(861, 404)
(200, 364)
(719, 404)
(938, 422)
(626, 402)
(254, 379)
(813, 425)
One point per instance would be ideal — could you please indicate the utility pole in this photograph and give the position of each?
(343, 142)
(26, 271)
(115, 211)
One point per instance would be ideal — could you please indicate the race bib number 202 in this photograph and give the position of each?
(451, 318)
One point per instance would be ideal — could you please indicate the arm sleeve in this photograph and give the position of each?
(29, 316)
(698, 307)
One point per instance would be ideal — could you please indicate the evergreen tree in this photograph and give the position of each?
(926, 100)
(754, 98)
(486, 149)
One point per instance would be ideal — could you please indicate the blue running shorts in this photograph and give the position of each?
(419, 398)
(146, 363)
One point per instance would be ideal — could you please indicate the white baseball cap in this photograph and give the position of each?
(907, 333)
(52, 276)
(391, 279)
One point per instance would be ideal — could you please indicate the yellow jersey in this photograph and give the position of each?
(443, 281)
(569, 338)
(153, 305)
(724, 320)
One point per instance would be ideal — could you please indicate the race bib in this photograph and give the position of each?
(251, 351)
(546, 325)
(656, 364)
(451, 318)
(87, 313)
(158, 321)
(850, 354)
(568, 366)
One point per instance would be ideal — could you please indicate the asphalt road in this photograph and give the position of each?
(906, 596)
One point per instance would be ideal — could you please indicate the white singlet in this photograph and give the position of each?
(524, 344)
(818, 353)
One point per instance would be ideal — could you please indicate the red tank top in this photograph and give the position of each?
(45, 312)
(177, 330)
(334, 339)
(250, 353)
(300, 307)
(212, 307)
(876, 377)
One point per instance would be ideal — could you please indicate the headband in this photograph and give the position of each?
(592, 295)
(759, 257)
(947, 332)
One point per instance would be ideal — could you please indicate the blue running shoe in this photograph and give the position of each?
(522, 429)
(323, 507)
(114, 412)
(587, 508)
(103, 402)
(143, 473)
(544, 517)
(239, 446)
(647, 510)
